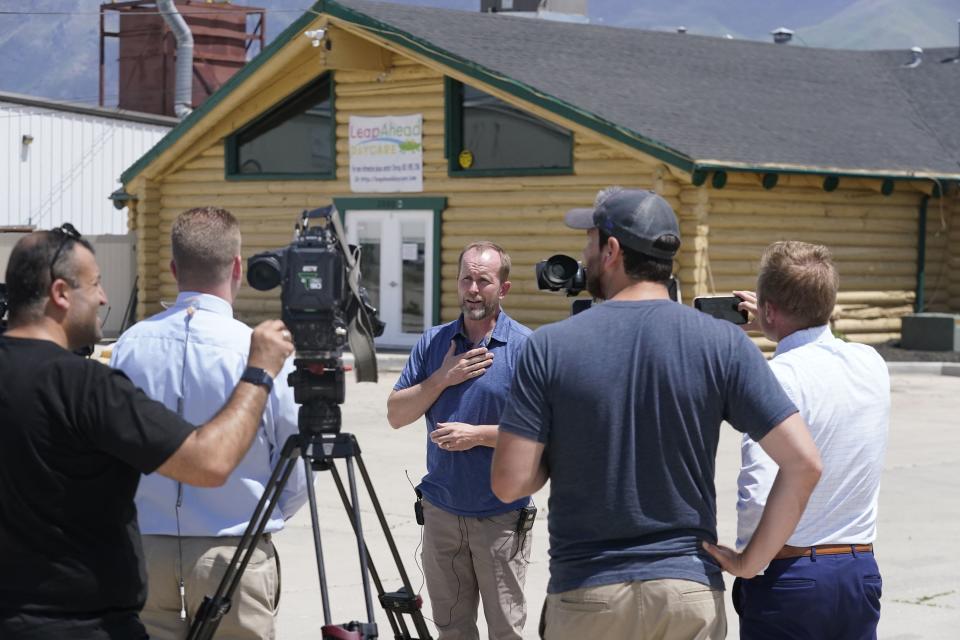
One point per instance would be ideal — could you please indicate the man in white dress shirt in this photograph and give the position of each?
(825, 583)
(190, 357)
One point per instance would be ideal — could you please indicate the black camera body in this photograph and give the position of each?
(312, 275)
(318, 303)
(323, 313)
(561, 273)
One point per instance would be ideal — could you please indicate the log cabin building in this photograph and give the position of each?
(522, 119)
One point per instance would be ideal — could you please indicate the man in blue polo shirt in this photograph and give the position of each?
(458, 377)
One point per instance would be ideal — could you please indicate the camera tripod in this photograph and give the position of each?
(318, 445)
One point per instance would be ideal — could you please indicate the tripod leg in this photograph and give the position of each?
(392, 617)
(419, 623)
(361, 545)
(208, 616)
(314, 521)
(395, 604)
(383, 524)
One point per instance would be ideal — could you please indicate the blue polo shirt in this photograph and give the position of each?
(459, 481)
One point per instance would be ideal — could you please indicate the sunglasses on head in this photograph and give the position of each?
(67, 232)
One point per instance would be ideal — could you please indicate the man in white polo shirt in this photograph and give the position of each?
(825, 583)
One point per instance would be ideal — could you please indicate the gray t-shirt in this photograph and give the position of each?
(628, 398)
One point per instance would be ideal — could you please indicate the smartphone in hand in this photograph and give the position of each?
(722, 307)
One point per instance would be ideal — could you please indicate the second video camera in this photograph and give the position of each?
(561, 273)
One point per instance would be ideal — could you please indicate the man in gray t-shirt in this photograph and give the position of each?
(620, 407)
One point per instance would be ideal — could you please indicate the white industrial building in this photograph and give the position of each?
(59, 162)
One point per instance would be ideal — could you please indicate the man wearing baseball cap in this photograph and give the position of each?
(620, 407)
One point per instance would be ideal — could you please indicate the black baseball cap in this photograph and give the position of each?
(635, 217)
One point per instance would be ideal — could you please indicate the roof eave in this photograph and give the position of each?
(408, 41)
(518, 89)
(878, 173)
(522, 91)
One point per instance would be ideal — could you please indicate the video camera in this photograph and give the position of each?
(325, 308)
(562, 273)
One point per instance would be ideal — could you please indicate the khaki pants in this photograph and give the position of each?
(205, 560)
(466, 560)
(645, 610)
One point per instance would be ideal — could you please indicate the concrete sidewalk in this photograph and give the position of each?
(919, 518)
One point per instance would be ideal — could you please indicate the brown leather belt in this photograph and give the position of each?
(822, 550)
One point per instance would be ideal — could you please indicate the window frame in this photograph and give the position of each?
(231, 144)
(437, 204)
(453, 140)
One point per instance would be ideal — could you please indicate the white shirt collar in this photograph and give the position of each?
(204, 301)
(802, 337)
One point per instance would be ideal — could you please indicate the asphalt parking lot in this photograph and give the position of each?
(919, 517)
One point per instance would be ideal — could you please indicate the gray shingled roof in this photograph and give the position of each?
(713, 100)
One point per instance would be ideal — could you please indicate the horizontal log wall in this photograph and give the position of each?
(873, 239)
(942, 280)
(145, 223)
(523, 214)
(724, 230)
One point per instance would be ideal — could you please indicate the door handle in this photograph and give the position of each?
(393, 284)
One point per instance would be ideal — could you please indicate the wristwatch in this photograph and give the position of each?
(256, 375)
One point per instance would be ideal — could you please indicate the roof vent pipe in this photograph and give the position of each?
(958, 43)
(955, 58)
(782, 35)
(917, 58)
(183, 88)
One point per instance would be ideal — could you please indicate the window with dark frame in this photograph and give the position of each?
(487, 136)
(294, 140)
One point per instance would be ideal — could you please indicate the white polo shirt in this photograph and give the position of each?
(842, 390)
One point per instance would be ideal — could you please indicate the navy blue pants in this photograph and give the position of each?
(834, 597)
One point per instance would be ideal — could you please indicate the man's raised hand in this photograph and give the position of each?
(270, 346)
(457, 368)
(749, 305)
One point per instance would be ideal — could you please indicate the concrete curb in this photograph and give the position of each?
(386, 361)
(930, 368)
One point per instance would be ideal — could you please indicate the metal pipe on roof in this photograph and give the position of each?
(782, 35)
(183, 87)
(917, 59)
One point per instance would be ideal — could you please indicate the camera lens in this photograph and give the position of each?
(556, 272)
(263, 271)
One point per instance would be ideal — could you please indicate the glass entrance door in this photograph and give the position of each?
(397, 269)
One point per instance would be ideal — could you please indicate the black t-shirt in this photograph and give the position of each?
(75, 436)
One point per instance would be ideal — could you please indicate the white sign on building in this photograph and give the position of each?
(386, 154)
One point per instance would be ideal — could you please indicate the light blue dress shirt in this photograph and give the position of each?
(842, 390)
(196, 351)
